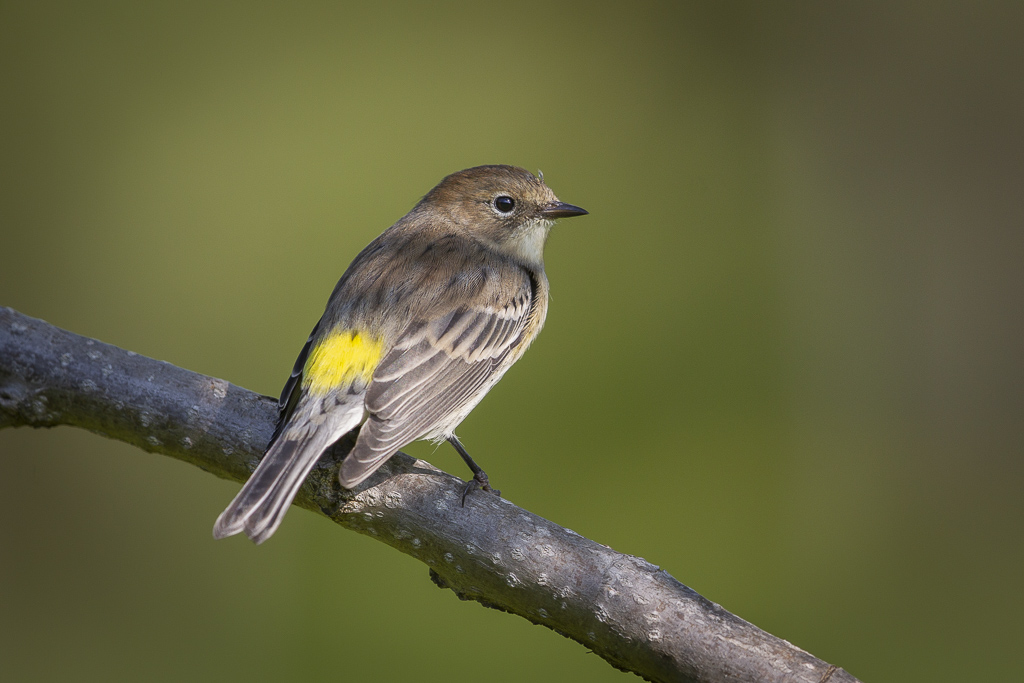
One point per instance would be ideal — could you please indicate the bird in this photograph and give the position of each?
(425, 320)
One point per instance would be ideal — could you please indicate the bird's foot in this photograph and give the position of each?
(479, 481)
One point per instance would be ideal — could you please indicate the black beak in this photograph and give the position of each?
(562, 210)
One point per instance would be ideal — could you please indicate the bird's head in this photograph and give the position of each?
(505, 206)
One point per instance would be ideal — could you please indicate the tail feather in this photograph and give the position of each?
(262, 503)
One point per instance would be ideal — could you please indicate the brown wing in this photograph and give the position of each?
(436, 372)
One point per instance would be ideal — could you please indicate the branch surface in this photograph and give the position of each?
(628, 611)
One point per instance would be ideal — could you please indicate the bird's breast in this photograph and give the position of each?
(538, 311)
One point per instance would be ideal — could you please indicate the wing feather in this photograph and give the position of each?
(435, 373)
(291, 393)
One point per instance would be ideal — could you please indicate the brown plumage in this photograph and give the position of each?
(427, 318)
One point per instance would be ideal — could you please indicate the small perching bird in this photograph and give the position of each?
(424, 322)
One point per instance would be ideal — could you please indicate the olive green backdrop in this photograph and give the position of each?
(782, 360)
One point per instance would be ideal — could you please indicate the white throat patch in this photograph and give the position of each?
(529, 243)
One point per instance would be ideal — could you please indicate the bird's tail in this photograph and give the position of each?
(261, 504)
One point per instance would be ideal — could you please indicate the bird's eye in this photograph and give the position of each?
(504, 204)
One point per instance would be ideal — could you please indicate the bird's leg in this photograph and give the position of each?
(479, 479)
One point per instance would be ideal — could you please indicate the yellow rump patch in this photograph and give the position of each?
(339, 359)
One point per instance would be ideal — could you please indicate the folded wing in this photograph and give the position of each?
(435, 374)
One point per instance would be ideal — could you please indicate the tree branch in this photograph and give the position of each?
(631, 613)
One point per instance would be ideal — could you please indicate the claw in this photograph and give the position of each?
(479, 481)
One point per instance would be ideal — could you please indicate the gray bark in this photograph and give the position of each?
(628, 611)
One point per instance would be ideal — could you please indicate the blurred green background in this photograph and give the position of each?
(783, 357)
